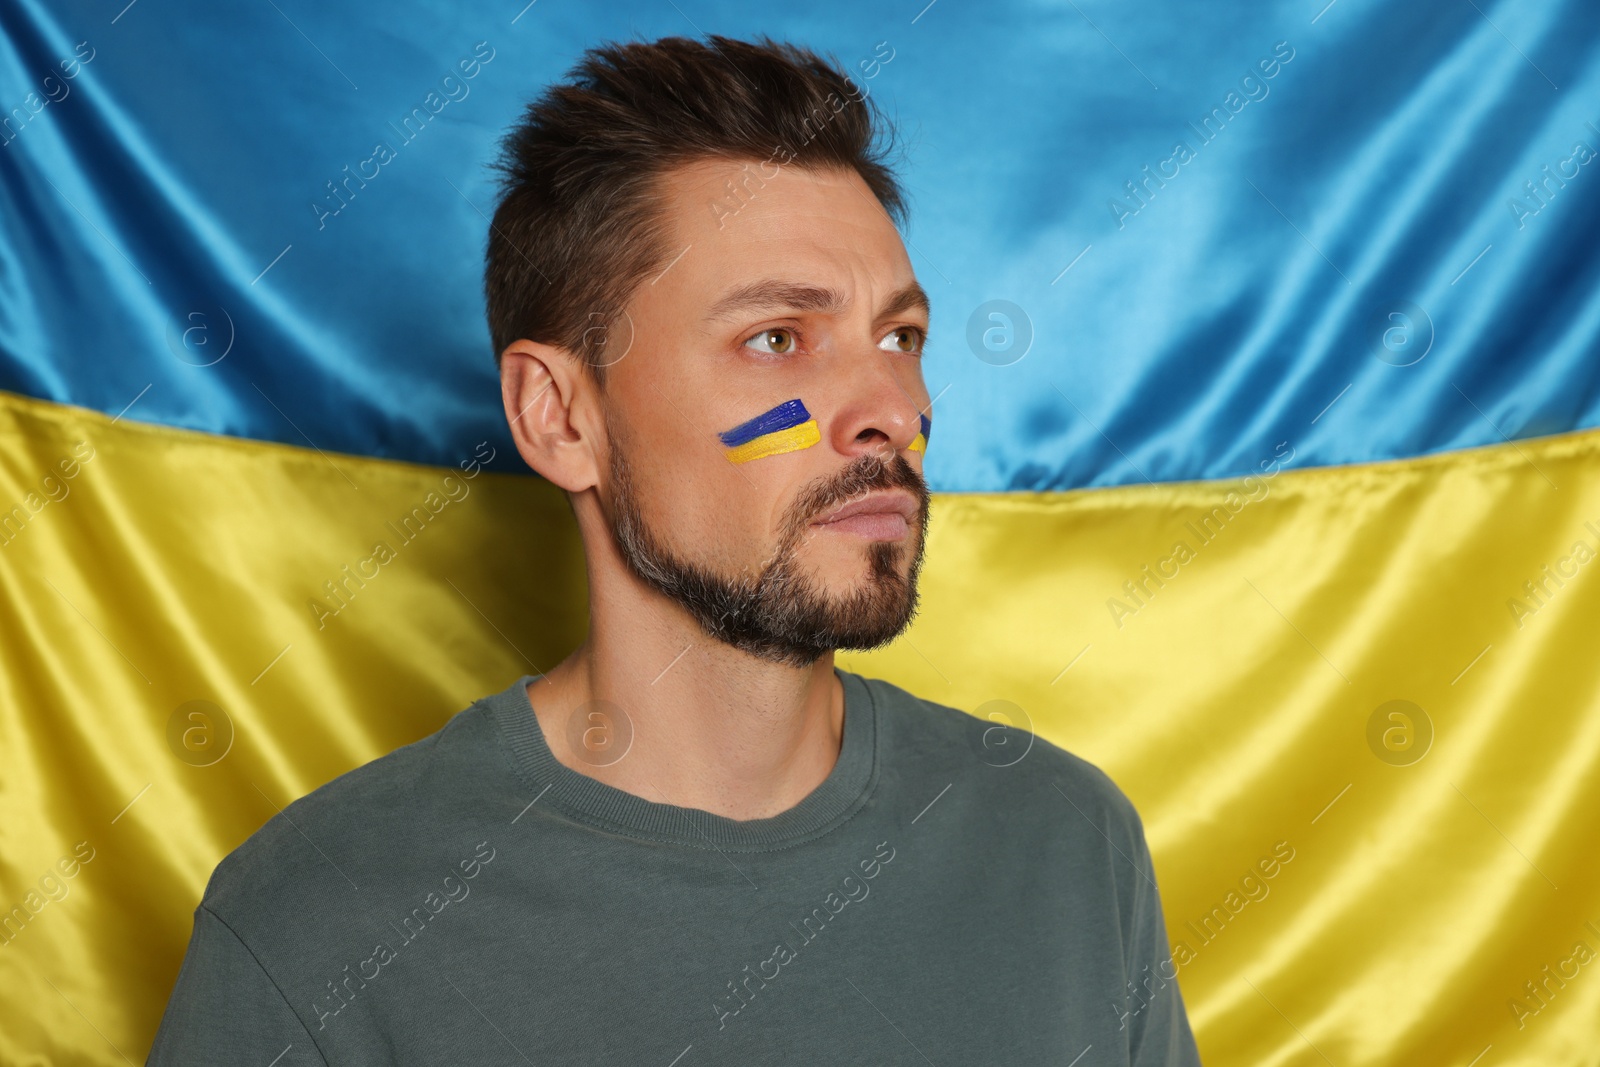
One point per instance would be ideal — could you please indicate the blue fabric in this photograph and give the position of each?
(1239, 302)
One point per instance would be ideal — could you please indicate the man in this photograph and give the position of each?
(696, 840)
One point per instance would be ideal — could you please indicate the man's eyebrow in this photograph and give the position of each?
(772, 294)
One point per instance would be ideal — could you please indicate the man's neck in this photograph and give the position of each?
(711, 727)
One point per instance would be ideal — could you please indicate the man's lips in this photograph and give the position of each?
(882, 516)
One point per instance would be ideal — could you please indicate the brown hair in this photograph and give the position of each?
(579, 223)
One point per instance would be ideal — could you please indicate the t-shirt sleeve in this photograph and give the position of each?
(226, 1009)
(1160, 1035)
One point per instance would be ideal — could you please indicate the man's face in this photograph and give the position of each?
(745, 546)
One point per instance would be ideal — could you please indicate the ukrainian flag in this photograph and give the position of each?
(788, 427)
(1264, 349)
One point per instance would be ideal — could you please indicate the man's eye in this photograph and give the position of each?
(780, 339)
(908, 339)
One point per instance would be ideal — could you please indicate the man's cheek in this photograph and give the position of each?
(787, 427)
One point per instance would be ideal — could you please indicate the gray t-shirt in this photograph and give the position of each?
(954, 893)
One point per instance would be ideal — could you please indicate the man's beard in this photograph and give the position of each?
(781, 614)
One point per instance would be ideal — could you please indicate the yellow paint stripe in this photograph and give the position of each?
(772, 444)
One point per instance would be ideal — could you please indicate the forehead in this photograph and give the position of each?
(731, 221)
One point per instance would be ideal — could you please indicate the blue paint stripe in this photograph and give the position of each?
(927, 427)
(785, 415)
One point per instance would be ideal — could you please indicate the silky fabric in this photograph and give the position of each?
(1415, 889)
(1377, 681)
(1377, 240)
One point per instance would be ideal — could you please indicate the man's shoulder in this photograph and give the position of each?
(360, 822)
(999, 739)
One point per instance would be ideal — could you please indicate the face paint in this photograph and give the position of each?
(919, 443)
(788, 427)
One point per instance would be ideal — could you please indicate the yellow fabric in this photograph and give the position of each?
(1405, 907)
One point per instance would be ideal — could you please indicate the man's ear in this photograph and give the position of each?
(543, 389)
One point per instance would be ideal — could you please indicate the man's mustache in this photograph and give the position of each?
(867, 475)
